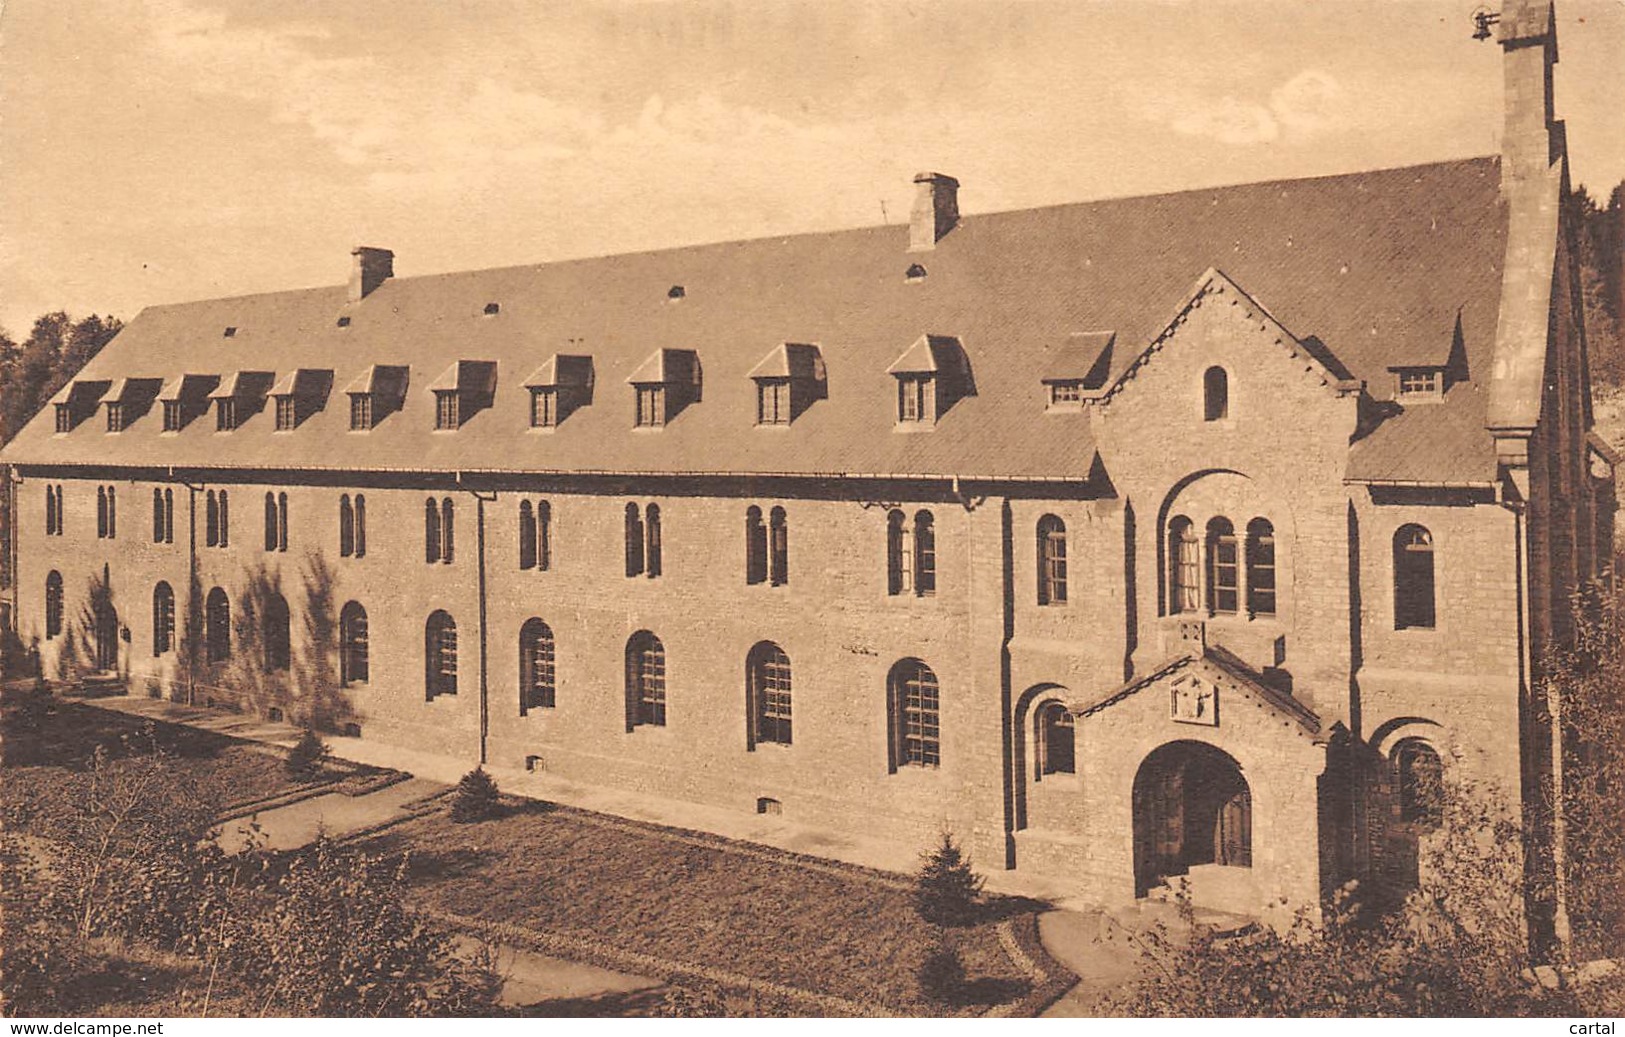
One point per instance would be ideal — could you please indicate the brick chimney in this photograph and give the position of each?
(369, 268)
(1533, 138)
(936, 210)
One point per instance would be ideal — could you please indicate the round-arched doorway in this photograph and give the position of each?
(1191, 807)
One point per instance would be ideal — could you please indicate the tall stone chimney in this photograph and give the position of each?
(936, 210)
(369, 268)
(1532, 139)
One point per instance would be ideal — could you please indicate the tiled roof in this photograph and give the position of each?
(1376, 266)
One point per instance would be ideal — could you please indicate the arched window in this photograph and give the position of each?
(101, 512)
(282, 522)
(651, 554)
(53, 604)
(899, 554)
(1419, 776)
(360, 526)
(1260, 568)
(211, 520)
(225, 519)
(431, 531)
(527, 536)
(544, 536)
(440, 656)
(1215, 394)
(768, 694)
(1223, 567)
(276, 634)
(354, 661)
(270, 521)
(779, 548)
(1184, 570)
(536, 666)
(1051, 561)
(755, 546)
(217, 626)
(645, 681)
(169, 516)
(163, 619)
(925, 554)
(1413, 579)
(915, 715)
(112, 512)
(634, 540)
(448, 531)
(157, 515)
(346, 527)
(1057, 749)
(50, 510)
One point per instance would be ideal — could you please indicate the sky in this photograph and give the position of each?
(156, 151)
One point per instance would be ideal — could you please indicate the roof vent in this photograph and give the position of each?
(676, 292)
(230, 333)
(915, 272)
(344, 322)
(492, 309)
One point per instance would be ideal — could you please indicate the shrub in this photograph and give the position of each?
(476, 799)
(307, 754)
(331, 935)
(946, 888)
(942, 975)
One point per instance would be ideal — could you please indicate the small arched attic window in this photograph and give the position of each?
(1215, 394)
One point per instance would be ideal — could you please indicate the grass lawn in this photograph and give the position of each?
(747, 910)
(46, 764)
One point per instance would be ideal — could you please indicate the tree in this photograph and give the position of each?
(946, 888)
(1456, 946)
(476, 798)
(307, 754)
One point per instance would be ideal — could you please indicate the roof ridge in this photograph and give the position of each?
(966, 219)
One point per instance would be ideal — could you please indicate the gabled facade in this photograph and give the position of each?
(1172, 536)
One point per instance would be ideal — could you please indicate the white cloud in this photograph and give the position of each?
(1304, 106)
(1309, 103)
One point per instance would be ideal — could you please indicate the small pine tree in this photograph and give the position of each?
(946, 888)
(941, 975)
(307, 754)
(476, 798)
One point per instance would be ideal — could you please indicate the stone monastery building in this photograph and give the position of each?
(1178, 535)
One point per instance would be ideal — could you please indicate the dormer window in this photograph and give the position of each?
(1066, 395)
(664, 385)
(932, 375)
(557, 388)
(300, 393)
(225, 415)
(651, 406)
(115, 417)
(286, 414)
(788, 381)
(64, 418)
(240, 397)
(445, 410)
(1420, 384)
(172, 415)
(375, 394)
(186, 398)
(773, 401)
(916, 398)
(544, 407)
